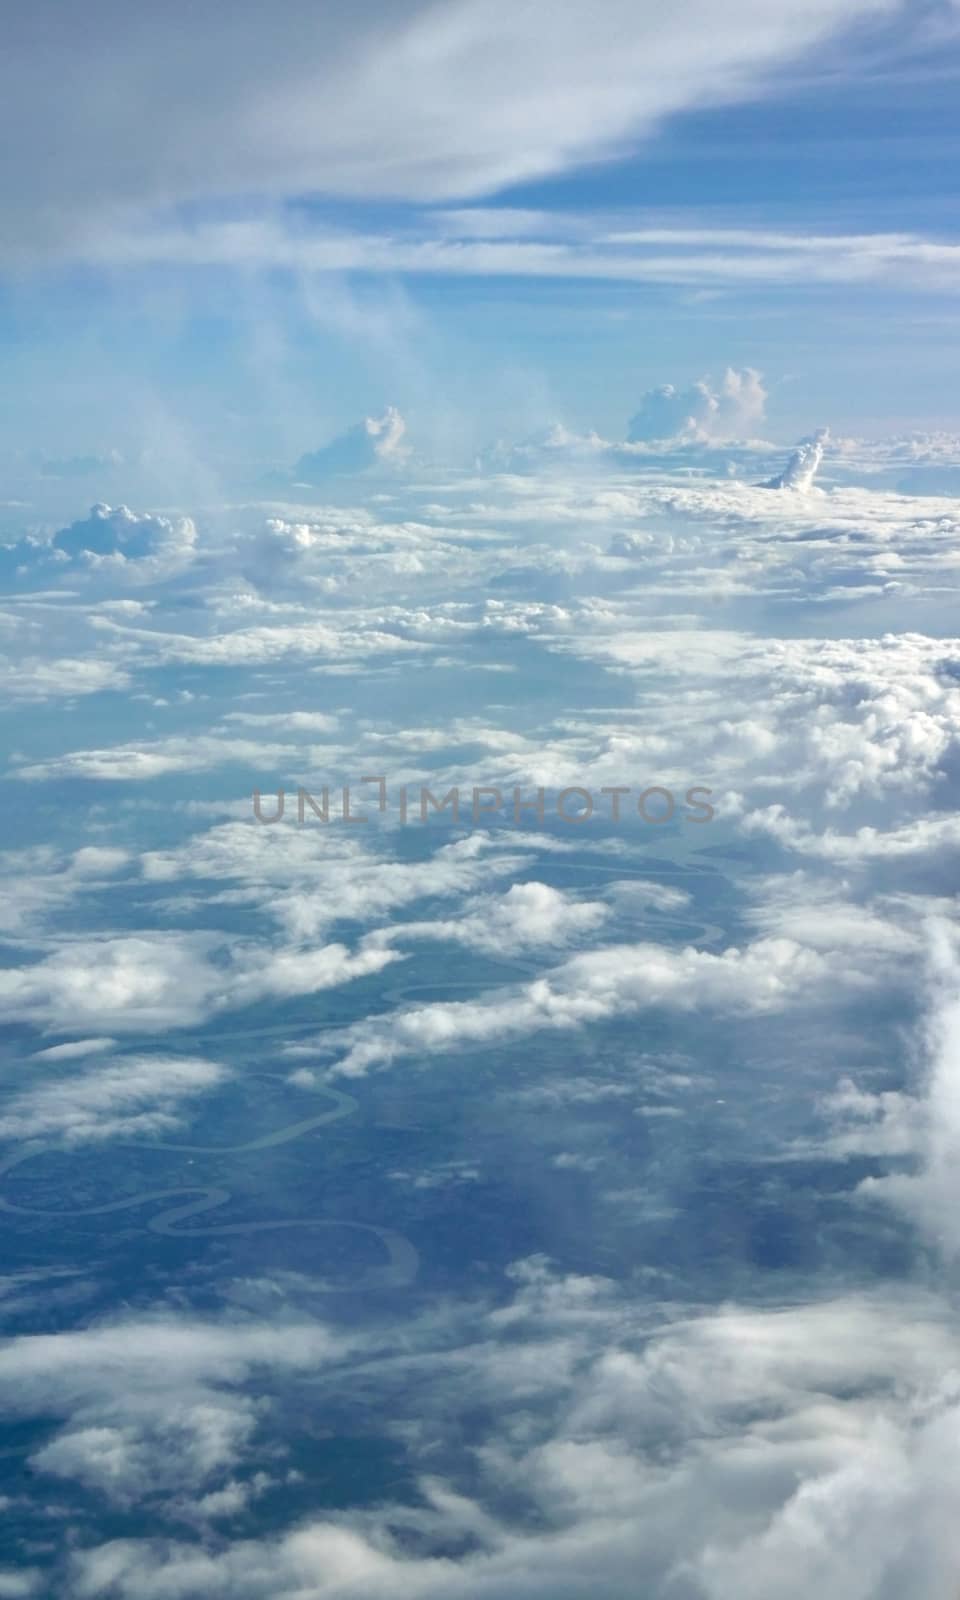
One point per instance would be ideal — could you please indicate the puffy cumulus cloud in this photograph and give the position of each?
(377, 442)
(146, 982)
(330, 536)
(287, 972)
(153, 1406)
(152, 981)
(349, 554)
(308, 879)
(348, 593)
(529, 916)
(859, 727)
(838, 721)
(130, 1095)
(745, 1450)
(915, 842)
(466, 102)
(915, 1130)
(679, 421)
(615, 981)
(124, 542)
(35, 679)
(700, 414)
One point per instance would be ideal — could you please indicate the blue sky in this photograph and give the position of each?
(223, 277)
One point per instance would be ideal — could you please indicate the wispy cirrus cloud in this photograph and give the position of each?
(540, 246)
(403, 101)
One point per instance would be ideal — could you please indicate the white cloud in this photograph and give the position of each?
(623, 1446)
(529, 916)
(637, 894)
(35, 679)
(306, 879)
(733, 411)
(129, 1096)
(126, 543)
(327, 643)
(832, 720)
(738, 1451)
(923, 1125)
(377, 442)
(158, 757)
(40, 883)
(77, 1047)
(146, 982)
(261, 239)
(615, 981)
(155, 1405)
(803, 466)
(918, 840)
(465, 102)
(286, 721)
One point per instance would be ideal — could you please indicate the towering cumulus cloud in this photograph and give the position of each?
(119, 536)
(803, 465)
(734, 410)
(374, 442)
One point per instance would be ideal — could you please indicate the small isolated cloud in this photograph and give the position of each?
(529, 916)
(77, 1047)
(35, 680)
(803, 465)
(701, 414)
(375, 442)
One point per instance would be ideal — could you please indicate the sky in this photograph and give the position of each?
(479, 763)
(207, 253)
